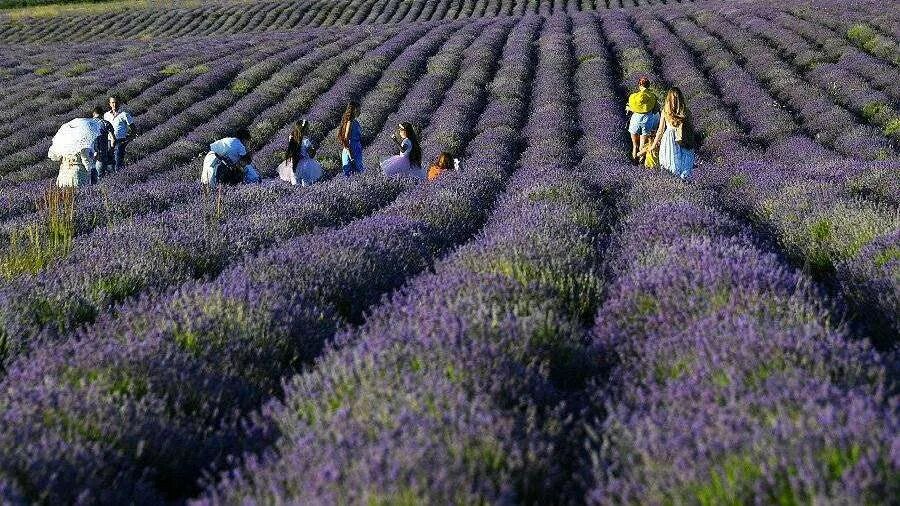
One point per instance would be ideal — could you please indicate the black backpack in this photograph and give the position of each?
(228, 173)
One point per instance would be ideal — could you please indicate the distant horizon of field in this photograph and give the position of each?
(552, 323)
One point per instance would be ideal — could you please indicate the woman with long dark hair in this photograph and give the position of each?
(409, 162)
(350, 137)
(675, 136)
(299, 162)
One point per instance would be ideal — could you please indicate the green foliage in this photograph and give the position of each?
(838, 460)
(240, 86)
(35, 246)
(114, 381)
(77, 69)
(738, 181)
(887, 256)
(873, 109)
(43, 71)
(115, 288)
(9, 4)
(672, 370)
(860, 33)
(406, 497)
(171, 70)
(892, 128)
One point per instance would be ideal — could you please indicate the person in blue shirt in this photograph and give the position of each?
(102, 150)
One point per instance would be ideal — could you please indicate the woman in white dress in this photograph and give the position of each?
(675, 136)
(73, 147)
(75, 168)
(299, 164)
(409, 162)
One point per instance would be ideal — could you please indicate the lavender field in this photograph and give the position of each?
(549, 325)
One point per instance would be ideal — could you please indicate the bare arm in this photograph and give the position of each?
(659, 132)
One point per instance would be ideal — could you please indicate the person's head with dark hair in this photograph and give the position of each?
(114, 103)
(298, 131)
(644, 82)
(407, 131)
(98, 111)
(243, 135)
(444, 161)
(350, 113)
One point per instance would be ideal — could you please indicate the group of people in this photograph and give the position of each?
(230, 161)
(89, 148)
(661, 135)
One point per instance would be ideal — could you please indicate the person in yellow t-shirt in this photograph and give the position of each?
(644, 116)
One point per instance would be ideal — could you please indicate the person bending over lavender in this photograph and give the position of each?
(229, 162)
(123, 130)
(73, 147)
(350, 136)
(644, 117)
(102, 151)
(300, 163)
(675, 137)
(409, 162)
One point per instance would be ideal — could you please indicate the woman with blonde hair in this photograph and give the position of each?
(675, 136)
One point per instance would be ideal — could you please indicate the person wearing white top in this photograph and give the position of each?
(123, 130)
(229, 162)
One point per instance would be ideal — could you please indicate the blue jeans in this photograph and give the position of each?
(119, 153)
(352, 163)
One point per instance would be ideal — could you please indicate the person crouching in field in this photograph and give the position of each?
(644, 117)
(229, 162)
(300, 163)
(443, 164)
(409, 162)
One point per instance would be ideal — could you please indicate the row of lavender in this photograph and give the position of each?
(726, 381)
(117, 421)
(688, 414)
(273, 98)
(880, 112)
(216, 19)
(46, 168)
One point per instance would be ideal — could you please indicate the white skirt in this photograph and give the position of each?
(399, 166)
